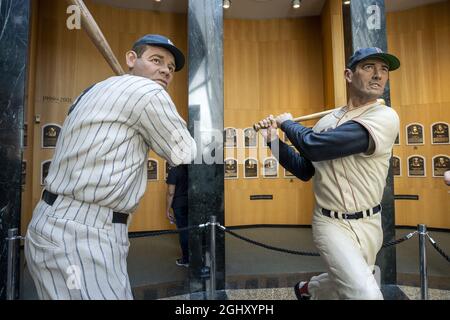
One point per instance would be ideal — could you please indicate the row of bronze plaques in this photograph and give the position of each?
(416, 167)
(270, 169)
(50, 133)
(415, 135)
(152, 170)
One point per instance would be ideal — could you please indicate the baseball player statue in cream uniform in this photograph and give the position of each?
(77, 241)
(347, 154)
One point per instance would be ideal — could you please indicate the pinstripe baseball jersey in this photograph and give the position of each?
(356, 182)
(102, 151)
(73, 248)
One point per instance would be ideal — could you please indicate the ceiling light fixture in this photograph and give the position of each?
(296, 4)
(226, 4)
(347, 2)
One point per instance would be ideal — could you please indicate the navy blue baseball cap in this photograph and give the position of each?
(161, 41)
(373, 52)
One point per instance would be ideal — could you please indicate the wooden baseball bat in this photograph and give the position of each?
(97, 37)
(317, 115)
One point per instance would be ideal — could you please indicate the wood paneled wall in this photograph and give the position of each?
(420, 92)
(333, 54)
(65, 62)
(270, 67)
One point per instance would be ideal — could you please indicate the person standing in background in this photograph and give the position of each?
(177, 200)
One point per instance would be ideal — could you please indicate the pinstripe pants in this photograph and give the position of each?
(71, 260)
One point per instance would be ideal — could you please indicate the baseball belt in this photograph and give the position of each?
(354, 215)
(118, 217)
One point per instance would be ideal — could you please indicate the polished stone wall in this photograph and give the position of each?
(206, 175)
(368, 29)
(14, 30)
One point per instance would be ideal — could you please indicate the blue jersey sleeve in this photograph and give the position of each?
(292, 161)
(347, 139)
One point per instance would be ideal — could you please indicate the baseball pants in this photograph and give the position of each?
(71, 260)
(349, 248)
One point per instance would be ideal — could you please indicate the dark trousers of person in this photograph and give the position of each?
(181, 218)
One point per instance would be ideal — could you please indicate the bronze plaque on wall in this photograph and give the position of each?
(396, 166)
(416, 166)
(45, 166)
(231, 169)
(230, 138)
(441, 164)
(250, 138)
(270, 169)
(50, 134)
(251, 168)
(439, 132)
(152, 169)
(414, 134)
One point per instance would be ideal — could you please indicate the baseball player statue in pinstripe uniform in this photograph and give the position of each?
(347, 154)
(77, 242)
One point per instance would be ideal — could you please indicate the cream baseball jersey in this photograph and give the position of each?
(356, 182)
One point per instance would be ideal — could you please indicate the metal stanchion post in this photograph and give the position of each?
(11, 264)
(423, 262)
(212, 271)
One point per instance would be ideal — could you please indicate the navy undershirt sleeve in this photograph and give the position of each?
(292, 161)
(347, 139)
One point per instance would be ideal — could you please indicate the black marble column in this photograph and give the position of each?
(366, 21)
(14, 25)
(206, 184)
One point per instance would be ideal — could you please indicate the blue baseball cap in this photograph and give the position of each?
(161, 41)
(366, 53)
